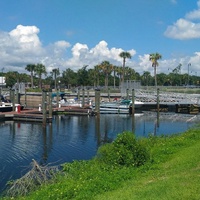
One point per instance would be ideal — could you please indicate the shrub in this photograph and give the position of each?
(124, 151)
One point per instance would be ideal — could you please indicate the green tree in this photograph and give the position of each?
(97, 69)
(69, 77)
(40, 69)
(129, 73)
(82, 76)
(124, 55)
(106, 69)
(146, 78)
(31, 68)
(55, 73)
(119, 71)
(154, 57)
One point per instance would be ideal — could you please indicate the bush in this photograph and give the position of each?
(124, 151)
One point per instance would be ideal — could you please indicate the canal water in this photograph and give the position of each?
(70, 138)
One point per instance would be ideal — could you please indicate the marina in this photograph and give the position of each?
(96, 102)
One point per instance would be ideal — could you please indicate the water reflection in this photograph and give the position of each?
(71, 138)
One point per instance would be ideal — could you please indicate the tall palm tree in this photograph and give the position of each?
(55, 72)
(40, 69)
(124, 55)
(154, 57)
(31, 68)
(107, 69)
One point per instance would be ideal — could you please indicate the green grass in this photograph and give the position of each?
(173, 172)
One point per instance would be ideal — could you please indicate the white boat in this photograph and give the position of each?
(121, 107)
(7, 106)
(68, 102)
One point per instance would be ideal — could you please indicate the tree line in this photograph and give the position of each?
(104, 74)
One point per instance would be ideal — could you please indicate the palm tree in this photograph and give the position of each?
(40, 69)
(31, 68)
(55, 72)
(124, 55)
(114, 70)
(146, 77)
(154, 57)
(107, 69)
(119, 71)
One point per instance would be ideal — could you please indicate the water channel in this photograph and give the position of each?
(71, 138)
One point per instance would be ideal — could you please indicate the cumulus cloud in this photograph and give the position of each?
(185, 28)
(22, 46)
(82, 55)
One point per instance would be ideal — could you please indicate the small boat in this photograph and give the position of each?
(68, 102)
(7, 106)
(121, 107)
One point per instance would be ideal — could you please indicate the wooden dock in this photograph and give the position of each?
(34, 115)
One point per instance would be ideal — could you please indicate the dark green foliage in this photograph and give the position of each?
(124, 151)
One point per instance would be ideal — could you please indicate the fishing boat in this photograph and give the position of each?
(121, 107)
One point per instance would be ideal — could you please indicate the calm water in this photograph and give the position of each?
(71, 138)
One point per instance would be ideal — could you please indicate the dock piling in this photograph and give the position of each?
(133, 102)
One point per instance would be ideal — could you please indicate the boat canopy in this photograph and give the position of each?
(61, 94)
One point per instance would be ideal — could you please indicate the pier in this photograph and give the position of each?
(39, 109)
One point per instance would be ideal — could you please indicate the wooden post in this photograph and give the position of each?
(44, 107)
(83, 98)
(57, 98)
(25, 99)
(13, 99)
(158, 100)
(17, 96)
(11, 95)
(127, 93)
(78, 94)
(50, 104)
(133, 101)
(97, 101)
(109, 94)
(88, 96)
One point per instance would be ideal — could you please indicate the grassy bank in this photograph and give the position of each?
(169, 169)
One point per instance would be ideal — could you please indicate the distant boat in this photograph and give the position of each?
(121, 107)
(69, 102)
(7, 106)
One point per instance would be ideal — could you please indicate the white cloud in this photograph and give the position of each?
(26, 37)
(193, 15)
(22, 46)
(82, 55)
(185, 28)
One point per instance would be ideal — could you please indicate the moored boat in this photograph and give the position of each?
(7, 106)
(121, 107)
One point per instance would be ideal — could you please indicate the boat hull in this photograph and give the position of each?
(117, 107)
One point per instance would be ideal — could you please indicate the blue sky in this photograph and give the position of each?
(74, 33)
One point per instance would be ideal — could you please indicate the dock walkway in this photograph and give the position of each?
(34, 115)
